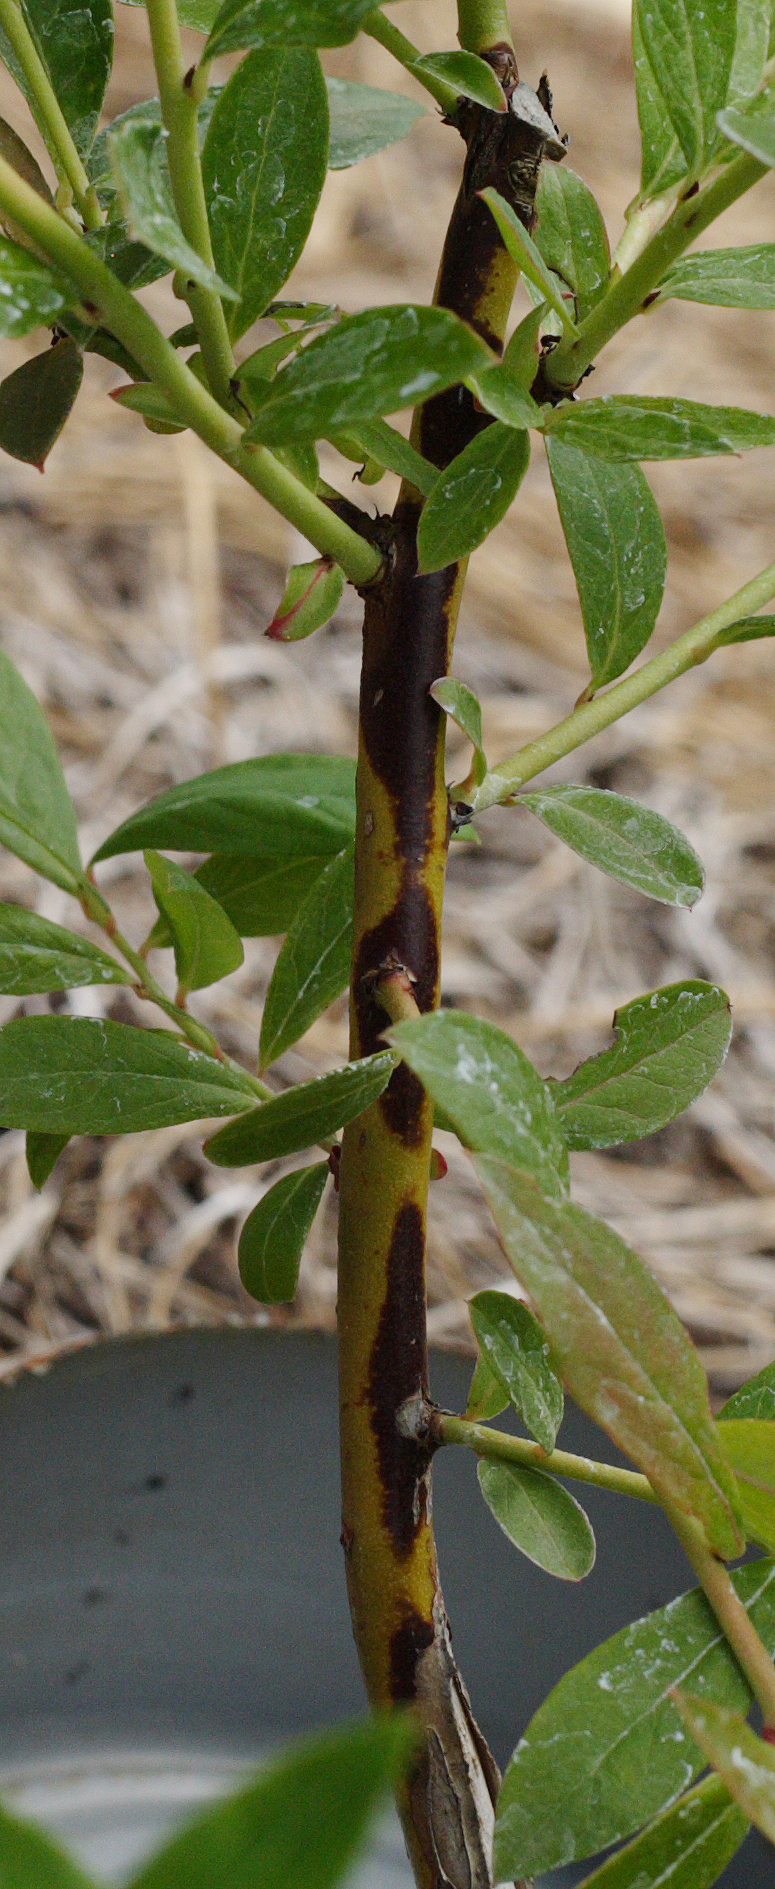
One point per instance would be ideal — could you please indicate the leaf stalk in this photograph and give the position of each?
(735, 1623)
(498, 1447)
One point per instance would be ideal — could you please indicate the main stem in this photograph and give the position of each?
(402, 829)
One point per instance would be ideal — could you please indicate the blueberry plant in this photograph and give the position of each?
(218, 185)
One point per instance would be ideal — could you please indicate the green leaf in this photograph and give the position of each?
(244, 23)
(304, 1115)
(669, 1046)
(690, 46)
(606, 1747)
(747, 630)
(729, 278)
(37, 816)
(516, 1350)
(264, 165)
(471, 77)
(624, 839)
(78, 1076)
(754, 134)
(301, 1824)
(621, 427)
(686, 1848)
(751, 47)
(662, 160)
(486, 1396)
(492, 1096)
(500, 391)
(571, 235)
(463, 708)
(138, 153)
(150, 402)
(75, 42)
(261, 365)
(312, 593)
(526, 254)
(364, 119)
(36, 956)
(31, 294)
(41, 1153)
(272, 1240)
(313, 966)
(616, 545)
(520, 359)
(542, 1519)
(746, 1763)
(21, 160)
(370, 364)
(285, 805)
(754, 1399)
(619, 1347)
(206, 945)
(749, 1445)
(30, 1860)
(471, 495)
(376, 440)
(35, 401)
(261, 896)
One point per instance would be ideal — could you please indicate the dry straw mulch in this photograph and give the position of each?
(137, 577)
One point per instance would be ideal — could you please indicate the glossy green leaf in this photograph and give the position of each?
(206, 945)
(616, 545)
(486, 1395)
(376, 440)
(626, 840)
(261, 895)
(729, 278)
(754, 134)
(273, 1237)
(542, 1519)
(147, 110)
(619, 1347)
(690, 46)
(134, 265)
(754, 18)
(747, 630)
(36, 400)
(662, 160)
(491, 1095)
(244, 23)
(369, 364)
(470, 76)
(749, 1445)
(364, 119)
(520, 358)
(686, 1848)
(606, 1747)
(75, 42)
(312, 593)
(669, 1046)
(37, 816)
(197, 13)
(313, 966)
(500, 391)
(262, 364)
(150, 402)
(304, 1115)
(29, 1859)
(80, 1076)
(41, 1153)
(516, 1350)
(31, 294)
(138, 153)
(756, 1398)
(471, 495)
(621, 426)
(462, 706)
(746, 1763)
(284, 805)
(36, 955)
(571, 235)
(264, 165)
(301, 1825)
(526, 254)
